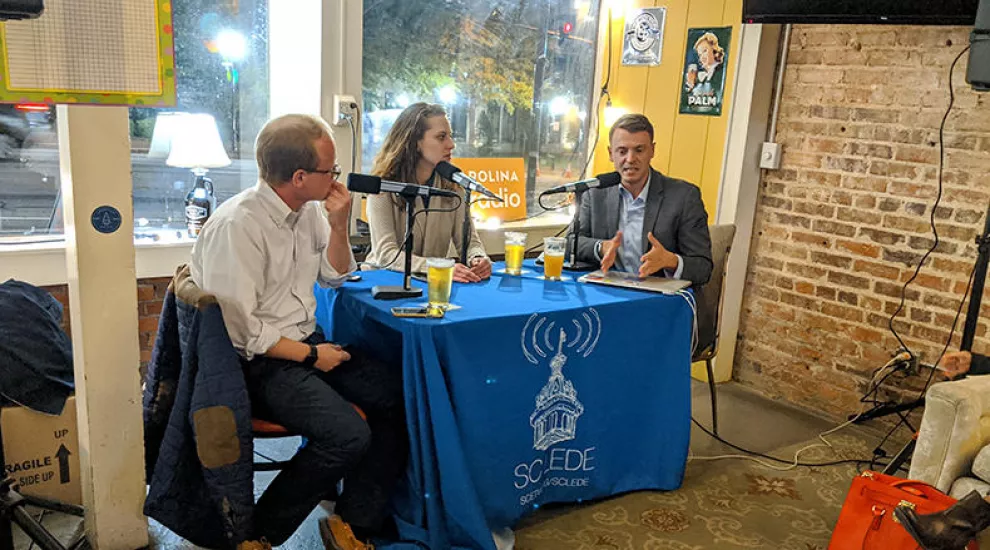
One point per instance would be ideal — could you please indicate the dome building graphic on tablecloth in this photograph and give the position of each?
(557, 405)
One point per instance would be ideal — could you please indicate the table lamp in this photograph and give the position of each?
(195, 144)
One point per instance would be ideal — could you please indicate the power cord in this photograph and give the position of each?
(941, 167)
(878, 377)
(938, 200)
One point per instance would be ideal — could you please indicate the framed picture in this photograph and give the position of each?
(642, 42)
(705, 59)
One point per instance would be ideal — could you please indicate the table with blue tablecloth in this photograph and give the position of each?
(531, 392)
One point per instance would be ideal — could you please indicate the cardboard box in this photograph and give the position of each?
(41, 452)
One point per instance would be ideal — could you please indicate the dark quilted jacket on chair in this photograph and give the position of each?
(197, 423)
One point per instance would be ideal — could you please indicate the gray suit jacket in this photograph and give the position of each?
(675, 215)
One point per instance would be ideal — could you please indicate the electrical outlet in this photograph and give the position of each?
(770, 156)
(343, 106)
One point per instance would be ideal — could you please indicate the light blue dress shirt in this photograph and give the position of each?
(631, 218)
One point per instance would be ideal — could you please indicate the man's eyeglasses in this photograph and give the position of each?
(335, 172)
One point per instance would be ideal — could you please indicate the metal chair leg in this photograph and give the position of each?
(711, 389)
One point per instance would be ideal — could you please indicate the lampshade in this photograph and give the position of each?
(196, 143)
(161, 138)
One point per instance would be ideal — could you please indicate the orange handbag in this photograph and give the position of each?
(867, 519)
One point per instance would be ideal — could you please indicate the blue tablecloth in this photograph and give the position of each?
(533, 392)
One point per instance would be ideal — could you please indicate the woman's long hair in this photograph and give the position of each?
(397, 159)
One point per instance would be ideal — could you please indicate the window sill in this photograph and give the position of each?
(43, 264)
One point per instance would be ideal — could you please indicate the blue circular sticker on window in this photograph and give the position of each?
(106, 219)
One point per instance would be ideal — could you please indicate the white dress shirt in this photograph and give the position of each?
(261, 259)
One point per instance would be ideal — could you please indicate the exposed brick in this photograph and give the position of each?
(788, 219)
(861, 249)
(145, 292)
(849, 298)
(877, 269)
(902, 223)
(814, 239)
(890, 205)
(894, 291)
(882, 237)
(833, 228)
(824, 258)
(826, 292)
(847, 280)
(854, 215)
(803, 287)
(849, 215)
(900, 256)
(814, 209)
(806, 271)
(968, 216)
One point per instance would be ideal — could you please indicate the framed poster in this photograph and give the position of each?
(703, 83)
(642, 43)
(90, 52)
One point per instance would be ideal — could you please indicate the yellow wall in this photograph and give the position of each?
(689, 147)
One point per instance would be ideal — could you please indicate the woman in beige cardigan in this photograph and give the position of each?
(418, 141)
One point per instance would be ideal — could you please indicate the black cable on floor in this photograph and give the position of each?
(780, 460)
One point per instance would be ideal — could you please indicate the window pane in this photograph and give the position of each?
(29, 181)
(221, 52)
(516, 77)
(221, 56)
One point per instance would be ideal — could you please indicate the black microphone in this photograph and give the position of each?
(600, 181)
(454, 174)
(362, 183)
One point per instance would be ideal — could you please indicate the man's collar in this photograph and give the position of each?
(273, 204)
(644, 193)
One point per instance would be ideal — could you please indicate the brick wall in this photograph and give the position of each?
(150, 295)
(842, 224)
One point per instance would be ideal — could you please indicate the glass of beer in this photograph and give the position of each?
(515, 249)
(439, 278)
(553, 257)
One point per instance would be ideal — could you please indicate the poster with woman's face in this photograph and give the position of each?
(703, 83)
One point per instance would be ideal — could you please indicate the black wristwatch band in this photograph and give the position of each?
(310, 359)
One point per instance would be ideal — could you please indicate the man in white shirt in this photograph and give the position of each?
(261, 253)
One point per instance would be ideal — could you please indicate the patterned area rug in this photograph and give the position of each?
(724, 504)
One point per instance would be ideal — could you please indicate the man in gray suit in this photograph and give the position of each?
(651, 224)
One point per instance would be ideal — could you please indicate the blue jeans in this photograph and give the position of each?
(370, 456)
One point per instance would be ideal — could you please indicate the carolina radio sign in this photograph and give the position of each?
(506, 177)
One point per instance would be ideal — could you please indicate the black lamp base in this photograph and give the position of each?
(379, 292)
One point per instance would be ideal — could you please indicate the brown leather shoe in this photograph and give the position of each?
(337, 535)
(254, 545)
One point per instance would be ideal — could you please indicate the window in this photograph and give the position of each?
(221, 52)
(516, 78)
(221, 57)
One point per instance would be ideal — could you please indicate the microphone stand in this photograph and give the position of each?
(466, 225)
(381, 292)
(573, 264)
(969, 330)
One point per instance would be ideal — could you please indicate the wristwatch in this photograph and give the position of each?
(310, 359)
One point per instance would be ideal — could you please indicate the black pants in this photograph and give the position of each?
(370, 456)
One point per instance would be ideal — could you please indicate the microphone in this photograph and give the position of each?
(600, 181)
(454, 174)
(362, 183)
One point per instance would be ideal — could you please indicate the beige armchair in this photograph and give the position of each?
(953, 448)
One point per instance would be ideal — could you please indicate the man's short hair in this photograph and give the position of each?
(632, 123)
(286, 144)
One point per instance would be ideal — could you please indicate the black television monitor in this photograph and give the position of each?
(899, 12)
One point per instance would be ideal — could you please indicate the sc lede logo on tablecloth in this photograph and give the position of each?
(555, 418)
